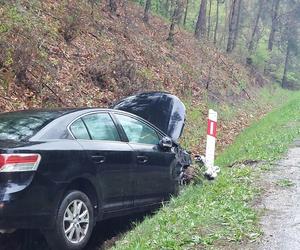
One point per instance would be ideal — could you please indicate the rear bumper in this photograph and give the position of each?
(34, 207)
(40, 221)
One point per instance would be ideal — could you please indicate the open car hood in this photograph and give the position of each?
(163, 110)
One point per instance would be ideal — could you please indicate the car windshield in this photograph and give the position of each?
(19, 126)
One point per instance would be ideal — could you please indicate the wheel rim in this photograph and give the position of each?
(76, 221)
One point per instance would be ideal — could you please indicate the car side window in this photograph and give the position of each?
(101, 127)
(137, 131)
(79, 130)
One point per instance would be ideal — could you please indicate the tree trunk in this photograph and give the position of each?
(200, 31)
(274, 24)
(232, 25)
(172, 7)
(217, 23)
(176, 17)
(286, 65)
(237, 27)
(255, 28)
(146, 11)
(186, 12)
(209, 19)
(167, 6)
(223, 34)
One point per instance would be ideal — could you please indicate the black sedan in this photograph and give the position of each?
(61, 171)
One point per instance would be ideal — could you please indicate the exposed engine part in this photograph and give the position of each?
(189, 173)
(211, 173)
(200, 160)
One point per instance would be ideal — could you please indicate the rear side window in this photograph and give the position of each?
(137, 131)
(22, 125)
(101, 127)
(79, 130)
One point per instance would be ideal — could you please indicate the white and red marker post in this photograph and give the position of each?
(211, 169)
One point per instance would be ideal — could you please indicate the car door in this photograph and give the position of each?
(112, 158)
(153, 166)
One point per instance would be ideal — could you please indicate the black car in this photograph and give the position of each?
(63, 170)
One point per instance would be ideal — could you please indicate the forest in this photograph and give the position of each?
(263, 33)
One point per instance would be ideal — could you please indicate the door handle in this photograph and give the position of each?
(98, 159)
(142, 159)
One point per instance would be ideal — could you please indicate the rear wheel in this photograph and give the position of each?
(74, 223)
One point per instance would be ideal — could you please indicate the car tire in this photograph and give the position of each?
(73, 224)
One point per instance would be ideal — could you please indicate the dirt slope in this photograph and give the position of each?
(66, 54)
(56, 53)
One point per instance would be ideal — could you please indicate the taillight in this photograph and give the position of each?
(19, 162)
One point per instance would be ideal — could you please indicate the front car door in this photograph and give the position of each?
(152, 175)
(112, 159)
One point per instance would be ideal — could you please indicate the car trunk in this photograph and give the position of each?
(6, 145)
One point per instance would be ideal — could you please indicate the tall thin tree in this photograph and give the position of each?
(186, 12)
(176, 17)
(237, 25)
(146, 11)
(291, 37)
(232, 25)
(256, 25)
(275, 9)
(217, 20)
(286, 64)
(209, 19)
(200, 30)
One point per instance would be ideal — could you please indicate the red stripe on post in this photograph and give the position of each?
(212, 128)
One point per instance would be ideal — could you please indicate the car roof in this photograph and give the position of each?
(69, 115)
(54, 110)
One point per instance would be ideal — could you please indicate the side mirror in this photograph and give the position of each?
(166, 143)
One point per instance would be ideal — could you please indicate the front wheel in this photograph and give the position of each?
(74, 223)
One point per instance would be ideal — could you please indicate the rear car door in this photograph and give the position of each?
(112, 158)
(153, 166)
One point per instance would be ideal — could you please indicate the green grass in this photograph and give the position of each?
(220, 212)
(285, 183)
(195, 130)
(268, 138)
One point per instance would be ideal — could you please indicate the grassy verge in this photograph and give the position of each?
(218, 213)
(267, 99)
(268, 138)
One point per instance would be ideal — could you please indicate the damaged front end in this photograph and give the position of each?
(166, 112)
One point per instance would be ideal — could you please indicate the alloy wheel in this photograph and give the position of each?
(76, 221)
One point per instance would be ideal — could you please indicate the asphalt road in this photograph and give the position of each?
(281, 204)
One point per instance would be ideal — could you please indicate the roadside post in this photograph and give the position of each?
(211, 170)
